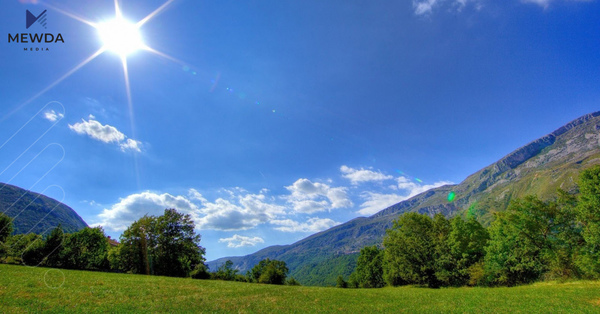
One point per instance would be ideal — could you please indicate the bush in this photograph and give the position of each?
(341, 283)
(200, 272)
(292, 282)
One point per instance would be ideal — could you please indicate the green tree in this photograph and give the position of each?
(409, 251)
(269, 271)
(292, 282)
(200, 272)
(178, 249)
(588, 215)
(462, 248)
(341, 283)
(528, 239)
(6, 227)
(226, 272)
(86, 249)
(136, 249)
(53, 246)
(369, 268)
(166, 245)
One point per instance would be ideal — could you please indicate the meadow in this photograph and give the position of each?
(36, 289)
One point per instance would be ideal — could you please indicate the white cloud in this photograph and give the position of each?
(97, 131)
(195, 195)
(244, 211)
(52, 116)
(134, 206)
(132, 145)
(240, 241)
(105, 133)
(414, 188)
(314, 224)
(309, 197)
(357, 176)
(424, 7)
(376, 202)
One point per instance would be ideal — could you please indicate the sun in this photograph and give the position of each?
(120, 36)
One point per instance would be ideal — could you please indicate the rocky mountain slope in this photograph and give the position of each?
(539, 167)
(33, 212)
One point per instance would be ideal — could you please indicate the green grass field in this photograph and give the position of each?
(44, 289)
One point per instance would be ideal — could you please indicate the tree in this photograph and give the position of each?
(588, 215)
(292, 282)
(528, 239)
(341, 283)
(53, 246)
(166, 245)
(178, 249)
(369, 268)
(226, 272)
(409, 251)
(137, 242)
(6, 227)
(269, 271)
(86, 249)
(463, 247)
(200, 272)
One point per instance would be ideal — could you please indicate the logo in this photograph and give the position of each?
(35, 41)
(30, 19)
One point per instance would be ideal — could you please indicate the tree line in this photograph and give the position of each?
(165, 245)
(532, 240)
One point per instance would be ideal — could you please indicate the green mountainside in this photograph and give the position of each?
(540, 167)
(33, 212)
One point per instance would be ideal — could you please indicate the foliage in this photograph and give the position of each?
(6, 227)
(460, 245)
(369, 269)
(200, 272)
(341, 283)
(323, 271)
(527, 239)
(292, 282)
(225, 272)
(269, 271)
(409, 251)
(588, 214)
(53, 248)
(86, 249)
(165, 245)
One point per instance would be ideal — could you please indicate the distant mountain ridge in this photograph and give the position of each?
(37, 213)
(540, 168)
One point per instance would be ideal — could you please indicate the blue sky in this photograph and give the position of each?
(268, 121)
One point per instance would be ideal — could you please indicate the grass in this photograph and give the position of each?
(34, 289)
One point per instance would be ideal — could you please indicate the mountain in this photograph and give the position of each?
(33, 212)
(540, 167)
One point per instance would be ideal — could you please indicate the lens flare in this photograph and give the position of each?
(451, 196)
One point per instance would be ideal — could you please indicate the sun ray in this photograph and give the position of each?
(117, 10)
(62, 78)
(131, 115)
(164, 55)
(153, 14)
(71, 15)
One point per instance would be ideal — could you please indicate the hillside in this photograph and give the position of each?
(539, 167)
(33, 212)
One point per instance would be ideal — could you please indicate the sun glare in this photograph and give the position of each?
(120, 36)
